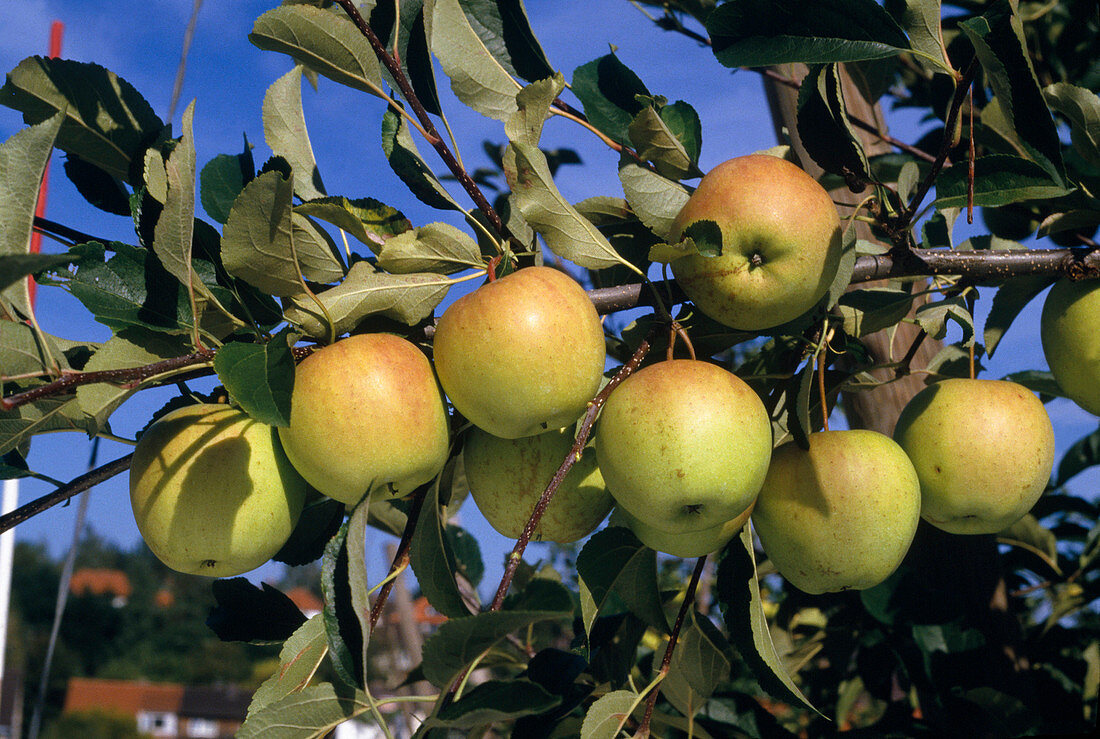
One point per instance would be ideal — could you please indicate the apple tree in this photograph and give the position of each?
(675, 348)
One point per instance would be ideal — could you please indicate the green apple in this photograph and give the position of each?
(683, 445)
(684, 545)
(840, 516)
(1070, 331)
(366, 416)
(212, 492)
(781, 243)
(521, 355)
(508, 476)
(983, 450)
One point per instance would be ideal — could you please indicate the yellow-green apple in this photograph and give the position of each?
(1070, 331)
(522, 354)
(367, 415)
(508, 476)
(684, 545)
(212, 492)
(983, 450)
(683, 445)
(841, 515)
(780, 246)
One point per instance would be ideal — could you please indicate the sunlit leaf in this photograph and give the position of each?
(313, 711)
(299, 659)
(436, 247)
(285, 132)
(607, 716)
(259, 378)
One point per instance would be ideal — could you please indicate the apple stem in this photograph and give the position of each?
(575, 452)
(666, 661)
(821, 388)
(401, 557)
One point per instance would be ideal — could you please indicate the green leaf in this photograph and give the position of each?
(412, 45)
(406, 162)
(97, 186)
(1027, 533)
(173, 236)
(312, 712)
(824, 127)
(477, 77)
(607, 89)
(1008, 301)
(24, 351)
(365, 292)
(606, 717)
(299, 659)
(921, 21)
(999, 179)
(322, 41)
(431, 556)
(258, 615)
(259, 378)
(269, 246)
(866, 311)
(655, 142)
(459, 642)
(998, 39)
(466, 551)
(614, 564)
(1038, 381)
(743, 613)
(131, 347)
(222, 179)
(702, 657)
(683, 122)
(107, 122)
(342, 630)
(505, 31)
(1081, 107)
(23, 159)
(285, 132)
(495, 700)
(15, 267)
(130, 289)
(760, 33)
(655, 199)
(1082, 454)
(367, 219)
(319, 522)
(437, 247)
(46, 415)
(933, 318)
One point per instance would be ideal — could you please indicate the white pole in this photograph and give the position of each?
(7, 551)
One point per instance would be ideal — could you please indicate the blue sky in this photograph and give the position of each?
(141, 41)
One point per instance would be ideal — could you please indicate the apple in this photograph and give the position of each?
(683, 445)
(983, 450)
(367, 416)
(212, 492)
(507, 477)
(522, 354)
(684, 545)
(841, 515)
(1071, 342)
(781, 243)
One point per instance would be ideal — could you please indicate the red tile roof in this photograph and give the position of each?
(122, 695)
(100, 581)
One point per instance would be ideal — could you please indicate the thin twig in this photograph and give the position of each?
(437, 142)
(572, 458)
(401, 557)
(961, 91)
(666, 661)
(75, 487)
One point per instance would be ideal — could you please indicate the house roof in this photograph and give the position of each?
(123, 695)
(306, 601)
(100, 581)
(227, 702)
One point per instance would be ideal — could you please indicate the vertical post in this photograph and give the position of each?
(11, 487)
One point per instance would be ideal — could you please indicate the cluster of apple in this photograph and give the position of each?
(683, 449)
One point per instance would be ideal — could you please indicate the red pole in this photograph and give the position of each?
(56, 30)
